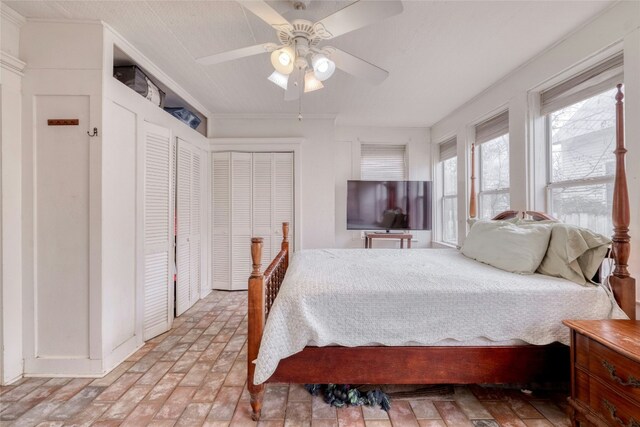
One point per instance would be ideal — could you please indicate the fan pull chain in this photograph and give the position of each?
(300, 106)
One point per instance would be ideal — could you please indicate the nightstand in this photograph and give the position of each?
(605, 373)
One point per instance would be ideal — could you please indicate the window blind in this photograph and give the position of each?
(380, 162)
(492, 128)
(593, 81)
(448, 149)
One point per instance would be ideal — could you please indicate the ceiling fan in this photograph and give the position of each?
(299, 60)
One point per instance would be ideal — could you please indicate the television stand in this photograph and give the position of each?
(368, 238)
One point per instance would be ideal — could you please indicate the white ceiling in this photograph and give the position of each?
(439, 54)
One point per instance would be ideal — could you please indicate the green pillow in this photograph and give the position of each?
(574, 253)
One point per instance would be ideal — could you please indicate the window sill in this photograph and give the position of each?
(443, 245)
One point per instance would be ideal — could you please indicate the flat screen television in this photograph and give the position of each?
(389, 205)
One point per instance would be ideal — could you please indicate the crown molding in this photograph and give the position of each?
(272, 116)
(11, 63)
(12, 16)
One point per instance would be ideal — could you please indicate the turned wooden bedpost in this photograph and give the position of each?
(256, 325)
(285, 242)
(622, 284)
(472, 197)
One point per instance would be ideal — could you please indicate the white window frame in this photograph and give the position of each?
(551, 185)
(444, 197)
(481, 192)
(600, 77)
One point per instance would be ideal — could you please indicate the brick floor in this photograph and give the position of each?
(194, 375)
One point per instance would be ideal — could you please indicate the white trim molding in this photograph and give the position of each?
(12, 16)
(11, 63)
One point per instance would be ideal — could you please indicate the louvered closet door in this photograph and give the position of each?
(282, 199)
(158, 230)
(221, 219)
(262, 212)
(241, 231)
(183, 251)
(196, 228)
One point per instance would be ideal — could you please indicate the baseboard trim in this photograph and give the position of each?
(121, 353)
(42, 367)
(11, 380)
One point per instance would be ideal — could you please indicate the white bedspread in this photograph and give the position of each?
(394, 297)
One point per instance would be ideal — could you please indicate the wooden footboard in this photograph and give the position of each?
(263, 289)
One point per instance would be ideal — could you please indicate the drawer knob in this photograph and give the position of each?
(631, 382)
(613, 411)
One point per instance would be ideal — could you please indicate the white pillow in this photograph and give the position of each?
(509, 247)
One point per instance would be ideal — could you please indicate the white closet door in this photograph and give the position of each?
(221, 218)
(158, 230)
(196, 229)
(282, 190)
(183, 251)
(241, 231)
(262, 212)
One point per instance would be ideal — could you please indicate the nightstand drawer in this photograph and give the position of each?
(617, 371)
(581, 391)
(612, 407)
(582, 350)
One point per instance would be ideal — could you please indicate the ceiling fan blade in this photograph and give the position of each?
(268, 14)
(357, 67)
(294, 85)
(355, 16)
(236, 54)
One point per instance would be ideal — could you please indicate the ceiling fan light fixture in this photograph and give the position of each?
(282, 60)
(279, 79)
(311, 83)
(323, 67)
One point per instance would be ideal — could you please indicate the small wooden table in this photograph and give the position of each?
(605, 373)
(368, 238)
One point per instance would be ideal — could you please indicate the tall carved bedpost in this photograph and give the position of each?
(472, 197)
(623, 285)
(285, 242)
(256, 325)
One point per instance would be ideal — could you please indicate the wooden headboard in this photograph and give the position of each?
(622, 284)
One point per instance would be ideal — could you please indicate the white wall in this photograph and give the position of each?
(329, 157)
(616, 29)
(11, 72)
(48, 73)
(347, 160)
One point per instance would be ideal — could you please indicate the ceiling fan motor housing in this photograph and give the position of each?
(300, 28)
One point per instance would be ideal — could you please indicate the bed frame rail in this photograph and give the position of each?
(263, 289)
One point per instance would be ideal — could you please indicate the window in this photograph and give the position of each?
(492, 138)
(380, 162)
(582, 163)
(449, 191)
(581, 139)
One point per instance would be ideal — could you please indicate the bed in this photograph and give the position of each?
(322, 329)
